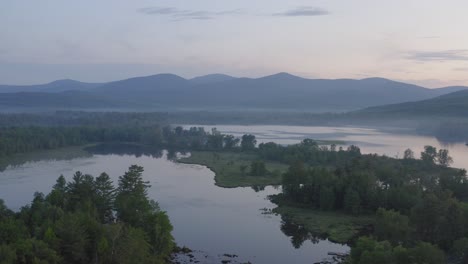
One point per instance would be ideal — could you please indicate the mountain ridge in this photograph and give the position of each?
(281, 91)
(210, 78)
(453, 104)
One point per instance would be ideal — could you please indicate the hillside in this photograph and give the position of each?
(280, 92)
(453, 104)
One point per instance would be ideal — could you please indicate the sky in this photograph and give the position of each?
(424, 42)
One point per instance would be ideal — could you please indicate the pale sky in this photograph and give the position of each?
(418, 41)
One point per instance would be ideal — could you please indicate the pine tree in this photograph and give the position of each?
(131, 202)
(105, 195)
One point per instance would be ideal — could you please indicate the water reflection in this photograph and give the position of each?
(258, 188)
(299, 234)
(136, 150)
(125, 149)
(64, 154)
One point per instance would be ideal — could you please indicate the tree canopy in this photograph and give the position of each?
(88, 220)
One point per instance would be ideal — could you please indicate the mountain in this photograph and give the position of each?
(288, 92)
(279, 92)
(53, 87)
(148, 84)
(211, 78)
(453, 104)
(450, 89)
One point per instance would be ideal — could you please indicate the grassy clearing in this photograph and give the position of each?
(338, 227)
(227, 167)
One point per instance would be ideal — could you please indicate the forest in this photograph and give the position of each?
(15, 140)
(420, 205)
(88, 220)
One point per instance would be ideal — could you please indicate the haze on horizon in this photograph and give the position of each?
(420, 42)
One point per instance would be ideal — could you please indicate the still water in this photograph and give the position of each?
(206, 217)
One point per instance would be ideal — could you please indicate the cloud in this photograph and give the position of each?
(177, 14)
(430, 37)
(304, 11)
(444, 55)
(158, 10)
(180, 14)
(461, 69)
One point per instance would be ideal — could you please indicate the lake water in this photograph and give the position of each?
(208, 218)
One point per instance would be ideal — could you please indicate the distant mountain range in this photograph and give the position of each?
(279, 92)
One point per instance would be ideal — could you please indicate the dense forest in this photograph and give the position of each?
(419, 204)
(88, 220)
(120, 128)
(25, 139)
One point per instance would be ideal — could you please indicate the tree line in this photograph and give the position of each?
(15, 140)
(444, 129)
(81, 118)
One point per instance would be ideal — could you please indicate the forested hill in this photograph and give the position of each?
(220, 92)
(452, 105)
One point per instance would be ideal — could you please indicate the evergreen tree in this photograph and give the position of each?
(105, 195)
(131, 201)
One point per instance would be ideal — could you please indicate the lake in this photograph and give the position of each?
(208, 218)
(205, 217)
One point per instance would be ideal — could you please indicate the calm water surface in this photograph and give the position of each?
(206, 217)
